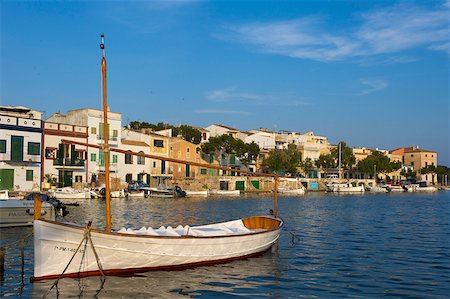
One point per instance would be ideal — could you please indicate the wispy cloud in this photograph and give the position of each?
(231, 94)
(220, 111)
(372, 85)
(385, 31)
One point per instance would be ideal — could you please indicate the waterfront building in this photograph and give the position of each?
(159, 169)
(183, 150)
(20, 148)
(93, 119)
(65, 163)
(134, 167)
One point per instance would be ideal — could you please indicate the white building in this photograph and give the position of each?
(134, 167)
(265, 140)
(20, 148)
(65, 162)
(93, 119)
(218, 130)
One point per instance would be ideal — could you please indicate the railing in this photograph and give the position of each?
(68, 162)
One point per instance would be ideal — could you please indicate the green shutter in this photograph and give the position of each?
(29, 175)
(188, 170)
(2, 146)
(6, 179)
(240, 185)
(16, 148)
(93, 157)
(101, 158)
(34, 148)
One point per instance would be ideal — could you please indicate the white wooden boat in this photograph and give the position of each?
(118, 193)
(15, 212)
(128, 252)
(70, 193)
(394, 188)
(136, 194)
(378, 189)
(58, 251)
(344, 187)
(191, 193)
(224, 192)
(291, 191)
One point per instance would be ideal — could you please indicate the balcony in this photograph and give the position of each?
(68, 162)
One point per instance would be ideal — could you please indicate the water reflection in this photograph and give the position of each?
(332, 246)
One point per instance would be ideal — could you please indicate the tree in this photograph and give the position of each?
(326, 162)
(188, 133)
(408, 174)
(332, 160)
(379, 161)
(225, 144)
(307, 165)
(284, 160)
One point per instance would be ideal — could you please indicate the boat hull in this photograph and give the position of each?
(55, 243)
(21, 212)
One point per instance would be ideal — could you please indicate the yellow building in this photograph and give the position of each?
(416, 157)
(181, 149)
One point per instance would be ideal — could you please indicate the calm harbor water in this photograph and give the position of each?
(390, 245)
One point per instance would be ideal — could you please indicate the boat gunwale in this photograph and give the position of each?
(102, 232)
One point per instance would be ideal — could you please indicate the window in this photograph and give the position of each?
(128, 177)
(158, 143)
(412, 164)
(114, 160)
(34, 148)
(154, 164)
(203, 170)
(426, 155)
(50, 152)
(115, 133)
(128, 159)
(94, 130)
(426, 164)
(78, 179)
(29, 175)
(412, 155)
(141, 160)
(2, 146)
(93, 157)
(187, 150)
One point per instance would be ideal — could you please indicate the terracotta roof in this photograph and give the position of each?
(134, 142)
(409, 150)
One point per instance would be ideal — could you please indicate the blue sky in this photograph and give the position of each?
(372, 73)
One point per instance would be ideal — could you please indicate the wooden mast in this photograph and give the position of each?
(105, 146)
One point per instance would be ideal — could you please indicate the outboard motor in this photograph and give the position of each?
(179, 192)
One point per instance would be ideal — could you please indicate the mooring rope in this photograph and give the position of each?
(86, 232)
(17, 241)
(86, 237)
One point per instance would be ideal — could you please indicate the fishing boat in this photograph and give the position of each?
(116, 252)
(194, 193)
(224, 192)
(291, 191)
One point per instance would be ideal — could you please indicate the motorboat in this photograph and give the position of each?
(70, 193)
(192, 193)
(58, 251)
(20, 212)
(163, 191)
(4, 194)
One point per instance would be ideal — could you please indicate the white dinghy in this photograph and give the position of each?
(58, 251)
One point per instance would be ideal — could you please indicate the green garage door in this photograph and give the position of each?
(6, 179)
(240, 185)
